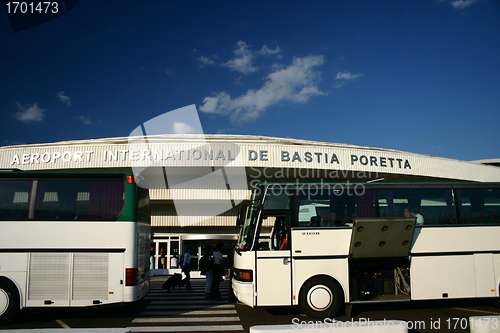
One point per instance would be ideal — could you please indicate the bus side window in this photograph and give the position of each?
(429, 206)
(14, 198)
(106, 200)
(479, 206)
(67, 203)
(280, 237)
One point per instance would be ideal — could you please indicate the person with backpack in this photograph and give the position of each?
(206, 269)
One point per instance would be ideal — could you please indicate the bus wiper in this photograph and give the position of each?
(237, 250)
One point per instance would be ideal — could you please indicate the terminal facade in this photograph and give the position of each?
(197, 182)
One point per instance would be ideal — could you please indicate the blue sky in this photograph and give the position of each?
(419, 76)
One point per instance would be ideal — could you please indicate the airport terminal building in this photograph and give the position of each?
(197, 182)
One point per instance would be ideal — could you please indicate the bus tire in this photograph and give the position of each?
(9, 301)
(321, 297)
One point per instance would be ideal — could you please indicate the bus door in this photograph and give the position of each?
(274, 264)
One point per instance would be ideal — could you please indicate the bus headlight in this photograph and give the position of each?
(243, 275)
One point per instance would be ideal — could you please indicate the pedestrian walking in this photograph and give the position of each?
(186, 268)
(206, 269)
(217, 269)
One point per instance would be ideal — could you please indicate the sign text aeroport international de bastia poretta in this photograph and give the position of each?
(285, 156)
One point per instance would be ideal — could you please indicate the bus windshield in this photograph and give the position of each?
(247, 230)
(249, 212)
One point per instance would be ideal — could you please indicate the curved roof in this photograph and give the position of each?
(197, 138)
(491, 161)
(250, 152)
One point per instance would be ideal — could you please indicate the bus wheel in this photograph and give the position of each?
(9, 301)
(321, 297)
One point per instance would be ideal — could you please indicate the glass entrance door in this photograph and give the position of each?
(163, 251)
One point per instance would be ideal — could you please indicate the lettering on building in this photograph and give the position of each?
(296, 159)
(39, 158)
(311, 157)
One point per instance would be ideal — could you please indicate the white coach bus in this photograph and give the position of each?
(72, 240)
(373, 243)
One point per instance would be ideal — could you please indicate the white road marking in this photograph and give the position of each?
(62, 323)
(183, 320)
(171, 306)
(481, 311)
(219, 328)
(188, 313)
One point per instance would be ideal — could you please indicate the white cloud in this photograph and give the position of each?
(182, 128)
(347, 76)
(266, 50)
(461, 4)
(243, 61)
(225, 130)
(85, 120)
(210, 103)
(296, 83)
(30, 114)
(64, 98)
(338, 84)
(204, 60)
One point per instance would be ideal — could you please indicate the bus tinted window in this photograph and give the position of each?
(79, 200)
(143, 205)
(479, 206)
(61, 200)
(333, 207)
(429, 206)
(14, 199)
(277, 198)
